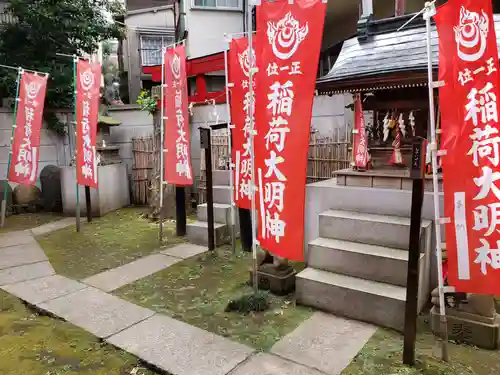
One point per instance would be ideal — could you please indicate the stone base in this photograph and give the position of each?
(113, 192)
(468, 328)
(277, 282)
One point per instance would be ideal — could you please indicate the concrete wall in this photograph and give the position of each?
(206, 29)
(54, 149)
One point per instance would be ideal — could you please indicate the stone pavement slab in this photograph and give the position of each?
(179, 348)
(52, 227)
(27, 272)
(19, 255)
(325, 342)
(268, 364)
(44, 289)
(96, 312)
(128, 273)
(16, 238)
(185, 250)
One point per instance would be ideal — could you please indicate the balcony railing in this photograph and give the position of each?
(6, 18)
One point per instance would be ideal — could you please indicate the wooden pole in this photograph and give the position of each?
(206, 146)
(88, 204)
(417, 198)
(180, 211)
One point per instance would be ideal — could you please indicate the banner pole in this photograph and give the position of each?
(77, 207)
(9, 158)
(251, 110)
(430, 10)
(230, 146)
(162, 141)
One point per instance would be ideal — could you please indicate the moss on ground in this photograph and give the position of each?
(117, 238)
(198, 290)
(28, 221)
(383, 355)
(36, 345)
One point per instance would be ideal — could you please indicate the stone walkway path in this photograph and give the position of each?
(324, 344)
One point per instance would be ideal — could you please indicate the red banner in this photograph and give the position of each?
(360, 139)
(469, 68)
(88, 83)
(177, 166)
(26, 142)
(240, 118)
(288, 44)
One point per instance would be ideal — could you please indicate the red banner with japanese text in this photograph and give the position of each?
(360, 139)
(88, 83)
(469, 68)
(26, 142)
(177, 167)
(288, 46)
(238, 61)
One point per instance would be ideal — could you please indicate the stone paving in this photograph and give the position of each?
(323, 345)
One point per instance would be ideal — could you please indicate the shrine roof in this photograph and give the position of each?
(384, 54)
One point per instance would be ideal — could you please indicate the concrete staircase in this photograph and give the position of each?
(197, 232)
(357, 267)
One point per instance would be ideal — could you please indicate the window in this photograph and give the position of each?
(151, 48)
(223, 4)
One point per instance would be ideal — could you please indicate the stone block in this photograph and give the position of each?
(27, 272)
(185, 251)
(359, 181)
(96, 312)
(16, 238)
(278, 283)
(197, 233)
(268, 364)
(44, 289)
(117, 277)
(467, 328)
(50, 180)
(325, 342)
(113, 192)
(19, 255)
(179, 348)
(387, 182)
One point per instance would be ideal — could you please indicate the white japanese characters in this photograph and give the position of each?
(481, 111)
(285, 37)
(89, 165)
(243, 175)
(182, 166)
(25, 165)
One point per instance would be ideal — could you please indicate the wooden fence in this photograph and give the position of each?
(326, 155)
(142, 151)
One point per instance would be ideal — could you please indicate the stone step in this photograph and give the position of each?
(197, 233)
(222, 213)
(222, 194)
(381, 230)
(368, 301)
(220, 177)
(376, 263)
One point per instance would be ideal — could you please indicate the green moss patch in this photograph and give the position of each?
(36, 345)
(383, 354)
(198, 290)
(118, 238)
(28, 221)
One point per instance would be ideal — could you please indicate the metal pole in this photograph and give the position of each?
(180, 211)
(251, 109)
(162, 140)
(429, 12)
(229, 142)
(77, 208)
(9, 158)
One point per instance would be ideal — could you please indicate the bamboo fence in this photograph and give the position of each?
(326, 155)
(142, 150)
